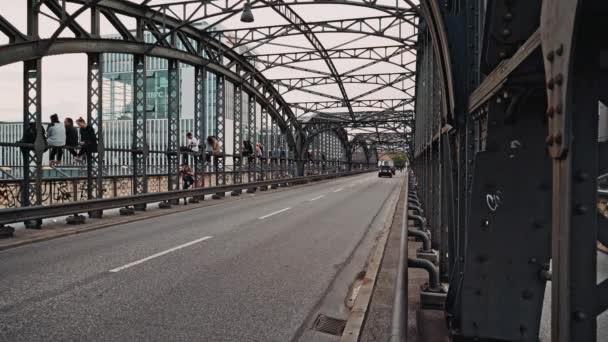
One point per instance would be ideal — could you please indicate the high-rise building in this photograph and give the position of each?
(118, 91)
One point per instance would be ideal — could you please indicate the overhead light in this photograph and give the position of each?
(247, 16)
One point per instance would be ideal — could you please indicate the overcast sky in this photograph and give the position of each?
(64, 77)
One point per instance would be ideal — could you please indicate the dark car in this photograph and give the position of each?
(385, 171)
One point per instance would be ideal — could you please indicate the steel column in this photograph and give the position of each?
(140, 141)
(220, 130)
(237, 146)
(173, 132)
(252, 137)
(200, 124)
(95, 161)
(264, 143)
(31, 193)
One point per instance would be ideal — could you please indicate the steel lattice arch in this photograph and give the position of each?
(494, 103)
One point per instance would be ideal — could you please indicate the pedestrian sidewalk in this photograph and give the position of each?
(377, 325)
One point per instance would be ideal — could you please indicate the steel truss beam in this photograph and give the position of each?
(393, 80)
(210, 9)
(292, 17)
(379, 26)
(221, 57)
(315, 106)
(392, 54)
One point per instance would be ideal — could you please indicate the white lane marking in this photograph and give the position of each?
(317, 198)
(272, 214)
(338, 190)
(118, 269)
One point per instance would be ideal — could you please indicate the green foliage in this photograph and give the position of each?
(398, 158)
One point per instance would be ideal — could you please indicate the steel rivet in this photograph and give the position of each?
(558, 109)
(558, 138)
(508, 16)
(582, 176)
(527, 294)
(550, 111)
(550, 56)
(560, 50)
(549, 140)
(559, 79)
(581, 209)
(506, 32)
(532, 261)
(550, 85)
(579, 315)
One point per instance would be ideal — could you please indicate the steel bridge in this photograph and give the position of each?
(494, 102)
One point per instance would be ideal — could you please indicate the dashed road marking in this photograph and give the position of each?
(272, 214)
(118, 269)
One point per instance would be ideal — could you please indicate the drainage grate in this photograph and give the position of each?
(329, 325)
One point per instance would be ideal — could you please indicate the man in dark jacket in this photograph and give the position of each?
(88, 139)
(71, 136)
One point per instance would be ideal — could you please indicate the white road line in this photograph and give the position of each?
(317, 198)
(338, 190)
(118, 269)
(272, 214)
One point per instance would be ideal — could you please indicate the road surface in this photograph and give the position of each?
(250, 270)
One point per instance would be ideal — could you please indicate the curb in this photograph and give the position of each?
(354, 324)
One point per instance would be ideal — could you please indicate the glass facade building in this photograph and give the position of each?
(118, 90)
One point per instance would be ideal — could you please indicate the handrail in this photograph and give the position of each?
(399, 320)
(13, 215)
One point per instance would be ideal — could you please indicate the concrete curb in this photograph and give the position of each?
(140, 216)
(354, 325)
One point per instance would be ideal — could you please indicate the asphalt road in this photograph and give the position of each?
(251, 270)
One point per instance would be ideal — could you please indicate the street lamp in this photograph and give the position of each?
(247, 16)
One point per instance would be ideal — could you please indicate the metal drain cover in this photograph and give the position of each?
(329, 325)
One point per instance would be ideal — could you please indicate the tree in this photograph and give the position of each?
(398, 158)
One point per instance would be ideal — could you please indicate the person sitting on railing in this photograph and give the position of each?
(29, 136)
(88, 140)
(248, 150)
(258, 150)
(71, 136)
(55, 140)
(209, 149)
(217, 147)
(191, 146)
(213, 148)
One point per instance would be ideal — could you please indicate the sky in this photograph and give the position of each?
(64, 77)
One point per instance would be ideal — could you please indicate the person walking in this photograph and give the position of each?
(71, 136)
(88, 140)
(55, 140)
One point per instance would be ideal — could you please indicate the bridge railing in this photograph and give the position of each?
(60, 188)
(33, 213)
